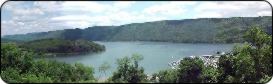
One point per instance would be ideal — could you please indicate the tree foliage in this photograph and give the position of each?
(63, 46)
(72, 34)
(250, 62)
(165, 76)
(17, 66)
(129, 72)
(105, 66)
(190, 70)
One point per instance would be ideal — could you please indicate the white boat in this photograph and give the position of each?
(206, 56)
(192, 56)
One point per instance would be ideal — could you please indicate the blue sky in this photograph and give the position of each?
(20, 17)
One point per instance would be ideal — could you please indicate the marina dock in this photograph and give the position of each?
(209, 60)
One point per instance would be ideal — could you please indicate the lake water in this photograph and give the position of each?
(156, 55)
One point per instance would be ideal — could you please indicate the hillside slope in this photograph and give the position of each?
(204, 30)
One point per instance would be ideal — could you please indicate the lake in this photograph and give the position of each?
(156, 55)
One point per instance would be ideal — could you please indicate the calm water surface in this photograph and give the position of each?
(156, 55)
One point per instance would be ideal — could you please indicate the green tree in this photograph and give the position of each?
(11, 56)
(260, 43)
(190, 70)
(84, 73)
(17, 66)
(72, 34)
(250, 62)
(11, 75)
(128, 71)
(62, 46)
(136, 58)
(33, 78)
(210, 74)
(165, 76)
(104, 67)
(225, 68)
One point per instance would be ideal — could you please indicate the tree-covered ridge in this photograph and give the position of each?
(204, 30)
(5, 40)
(62, 46)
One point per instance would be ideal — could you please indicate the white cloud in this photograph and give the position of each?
(48, 6)
(11, 5)
(122, 4)
(264, 13)
(21, 8)
(80, 24)
(93, 7)
(109, 14)
(232, 9)
(71, 17)
(33, 11)
(21, 23)
(169, 8)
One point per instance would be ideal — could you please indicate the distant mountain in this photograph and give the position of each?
(204, 30)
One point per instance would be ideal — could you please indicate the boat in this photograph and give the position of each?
(206, 56)
(192, 56)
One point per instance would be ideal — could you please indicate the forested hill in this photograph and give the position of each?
(204, 30)
(62, 46)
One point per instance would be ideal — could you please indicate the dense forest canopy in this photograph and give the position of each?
(204, 30)
(62, 46)
(19, 66)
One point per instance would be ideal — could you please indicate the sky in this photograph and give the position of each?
(21, 17)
